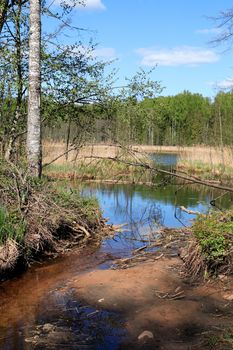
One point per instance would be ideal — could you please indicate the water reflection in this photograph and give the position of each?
(144, 209)
(168, 160)
(61, 322)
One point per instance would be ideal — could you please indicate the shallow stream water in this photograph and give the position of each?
(37, 311)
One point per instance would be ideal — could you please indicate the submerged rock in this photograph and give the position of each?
(146, 334)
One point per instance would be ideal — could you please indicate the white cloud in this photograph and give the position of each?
(105, 52)
(177, 56)
(225, 84)
(207, 31)
(92, 5)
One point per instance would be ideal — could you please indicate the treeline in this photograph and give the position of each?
(183, 119)
(80, 101)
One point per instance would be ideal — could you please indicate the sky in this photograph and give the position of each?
(173, 35)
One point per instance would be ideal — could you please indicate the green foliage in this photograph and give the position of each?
(215, 235)
(11, 226)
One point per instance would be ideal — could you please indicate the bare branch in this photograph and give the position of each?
(169, 173)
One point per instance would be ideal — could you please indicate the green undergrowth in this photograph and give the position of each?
(214, 234)
(11, 226)
(66, 196)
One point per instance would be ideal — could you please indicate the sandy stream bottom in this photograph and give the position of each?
(72, 304)
(161, 308)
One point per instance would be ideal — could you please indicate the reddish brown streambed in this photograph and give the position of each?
(35, 305)
(69, 304)
(161, 308)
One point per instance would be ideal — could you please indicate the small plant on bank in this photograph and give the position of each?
(11, 226)
(213, 243)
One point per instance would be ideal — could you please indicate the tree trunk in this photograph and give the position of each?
(68, 139)
(34, 151)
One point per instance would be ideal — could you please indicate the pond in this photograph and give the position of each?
(145, 209)
(168, 160)
(38, 311)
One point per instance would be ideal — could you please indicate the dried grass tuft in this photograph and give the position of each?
(194, 262)
(9, 254)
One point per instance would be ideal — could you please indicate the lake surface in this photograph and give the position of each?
(38, 311)
(145, 209)
(165, 159)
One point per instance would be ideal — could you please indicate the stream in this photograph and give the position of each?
(38, 311)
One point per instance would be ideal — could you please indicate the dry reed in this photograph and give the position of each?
(205, 154)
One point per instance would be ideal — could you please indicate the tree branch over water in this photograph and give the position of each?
(174, 173)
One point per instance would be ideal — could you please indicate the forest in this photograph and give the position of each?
(81, 90)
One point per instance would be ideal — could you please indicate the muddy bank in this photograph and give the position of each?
(161, 308)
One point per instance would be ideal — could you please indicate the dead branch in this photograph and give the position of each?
(149, 167)
(190, 211)
(62, 155)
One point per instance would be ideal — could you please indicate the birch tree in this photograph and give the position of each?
(34, 151)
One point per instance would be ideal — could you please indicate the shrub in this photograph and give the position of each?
(214, 234)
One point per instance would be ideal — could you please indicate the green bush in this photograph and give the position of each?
(214, 233)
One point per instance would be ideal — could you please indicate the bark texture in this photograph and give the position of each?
(34, 152)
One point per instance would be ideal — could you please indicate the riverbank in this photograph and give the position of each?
(41, 218)
(164, 304)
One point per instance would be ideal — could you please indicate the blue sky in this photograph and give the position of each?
(173, 34)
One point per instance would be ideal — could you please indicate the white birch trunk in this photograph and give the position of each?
(34, 152)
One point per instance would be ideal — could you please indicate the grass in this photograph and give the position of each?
(67, 197)
(210, 162)
(11, 226)
(100, 170)
(220, 340)
(208, 155)
(205, 161)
